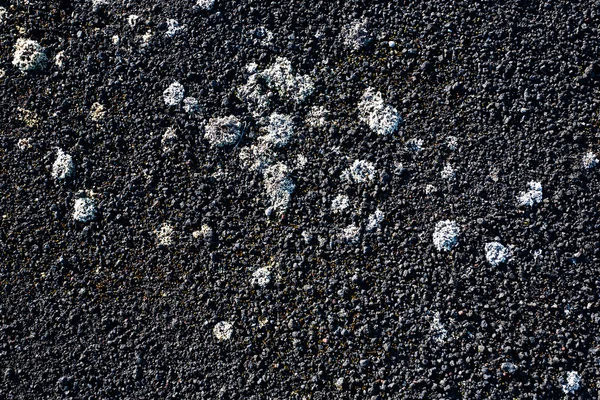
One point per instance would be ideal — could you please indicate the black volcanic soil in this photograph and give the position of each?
(102, 310)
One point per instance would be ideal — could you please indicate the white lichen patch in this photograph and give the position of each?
(30, 118)
(261, 277)
(279, 131)
(279, 78)
(438, 331)
(29, 55)
(350, 234)
(2, 73)
(223, 131)
(430, 190)
(60, 58)
(3, 14)
(375, 220)
(532, 196)
(452, 142)
(445, 235)
(115, 39)
(24, 144)
(356, 35)
(360, 171)
(205, 232)
(205, 4)
(190, 105)
(448, 172)
(132, 20)
(97, 112)
(173, 95)
(590, 160)
(572, 383)
(415, 145)
(278, 186)
(263, 36)
(317, 117)
(340, 203)
(496, 253)
(63, 166)
(168, 139)
(84, 209)
(173, 28)
(380, 117)
(257, 157)
(164, 235)
(146, 37)
(223, 330)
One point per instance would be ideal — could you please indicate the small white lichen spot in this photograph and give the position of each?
(2, 73)
(164, 235)
(169, 138)
(146, 37)
(223, 330)
(205, 232)
(356, 35)
(190, 105)
(532, 196)
(30, 118)
(132, 20)
(589, 160)
(205, 4)
(430, 190)
(63, 166)
(29, 55)
(572, 383)
(351, 234)
(496, 253)
(173, 28)
(257, 157)
(280, 77)
(452, 142)
(173, 95)
(3, 14)
(59, 59)
(448, 172)
(317, 117)
(445, 235)
(375, 220)
(301, 161)
(340, 203)
(380, 117)
(361, 171)
(84, 210)
(439, 333)
(24, 144)
(261, 277)
(115, 39)
(278, 186)
(279, 130)
(97, 112)
(223, 131)
(99, 3)
(415, 145)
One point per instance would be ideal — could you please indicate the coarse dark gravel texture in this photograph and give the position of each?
(102, 310)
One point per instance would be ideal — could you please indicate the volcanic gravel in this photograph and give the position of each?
(243, 199)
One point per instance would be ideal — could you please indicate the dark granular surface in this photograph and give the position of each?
(403, 204)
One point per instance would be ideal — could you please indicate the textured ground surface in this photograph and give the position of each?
(359, 199)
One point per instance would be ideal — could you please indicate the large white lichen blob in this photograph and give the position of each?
(278, 186)
(532, 196)
(445, 235)
(173, 95)
(63, 166)
(84, 209)
(29, 55)
(223, 131)
(380, 117)
(223, 330)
